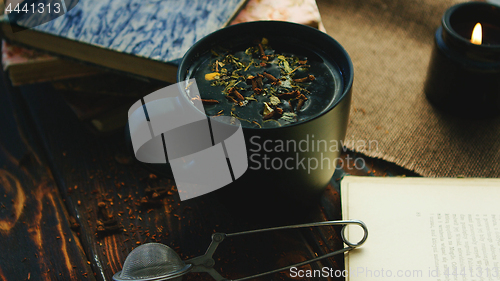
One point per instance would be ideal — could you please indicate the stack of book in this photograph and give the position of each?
(145, 40)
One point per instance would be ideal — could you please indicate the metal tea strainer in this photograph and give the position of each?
(159, 262)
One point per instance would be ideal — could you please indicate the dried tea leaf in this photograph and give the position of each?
(252, 50)
(287, 83)
(249, 64)
(212, 76)
(234, 61)
(274, 100)
(218, 83)
(284, 63)
(239, 118)
(270, 90)
(267, 109)
(277, 124)
(233, 69)
(230, 85)
(289, 116)
(301, 67)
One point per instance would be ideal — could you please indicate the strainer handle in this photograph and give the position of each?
(205, 263)
(344, 224)
(346, 249)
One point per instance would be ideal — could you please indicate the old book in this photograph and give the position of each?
(142, 38)
(26, 66)
(102, 101)
(423, 228)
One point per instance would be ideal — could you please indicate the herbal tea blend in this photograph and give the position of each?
(265, 87)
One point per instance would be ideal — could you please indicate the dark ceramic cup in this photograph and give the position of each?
(300, 157)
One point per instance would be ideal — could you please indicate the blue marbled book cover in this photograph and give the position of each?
(161, 30)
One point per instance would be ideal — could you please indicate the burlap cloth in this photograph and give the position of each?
(390, 42)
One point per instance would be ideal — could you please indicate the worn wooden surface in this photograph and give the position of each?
(91, 169)
(36, 239)
(111, 197)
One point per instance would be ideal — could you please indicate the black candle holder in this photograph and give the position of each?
(464, 78)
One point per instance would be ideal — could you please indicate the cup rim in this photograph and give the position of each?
(347, 71)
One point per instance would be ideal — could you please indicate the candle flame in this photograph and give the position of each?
(477, 35)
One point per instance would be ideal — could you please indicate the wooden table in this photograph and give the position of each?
(72, 204)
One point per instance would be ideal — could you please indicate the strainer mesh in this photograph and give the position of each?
(151, 260)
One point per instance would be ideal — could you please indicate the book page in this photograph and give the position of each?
(423, 229)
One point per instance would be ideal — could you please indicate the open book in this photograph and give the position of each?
(424, 229)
